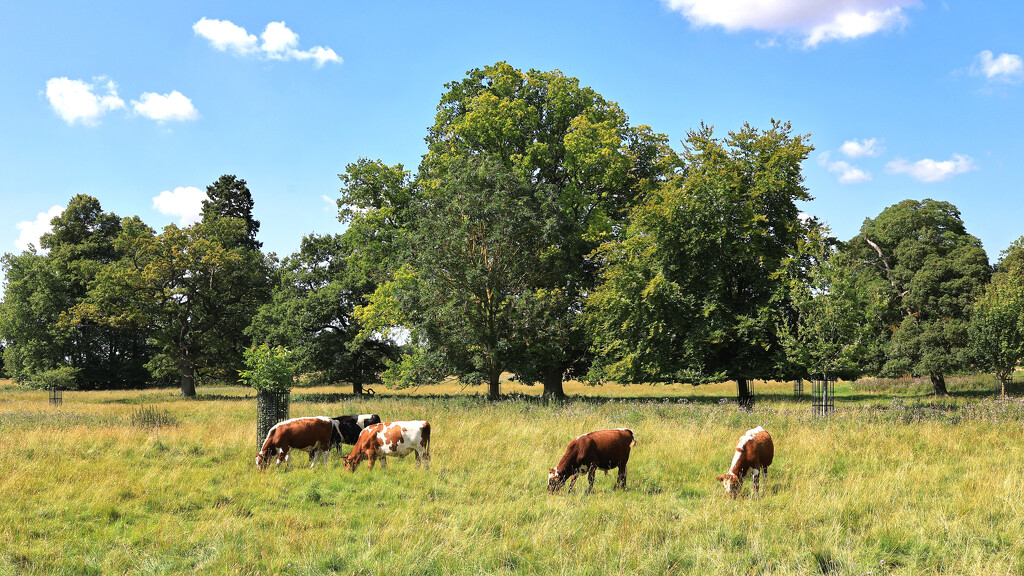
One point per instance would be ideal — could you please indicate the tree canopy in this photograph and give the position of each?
(695, 290)
(922, 273)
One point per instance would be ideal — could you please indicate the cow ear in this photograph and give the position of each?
(720, 478)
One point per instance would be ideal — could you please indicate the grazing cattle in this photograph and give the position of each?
(391, 439)
(601, 449)
(311, 434)
(347, 428)
(754, 454)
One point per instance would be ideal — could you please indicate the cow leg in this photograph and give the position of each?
(571, 484)
(426, 458)
(757, 481)
(418, 459)
(383, 461)
(590, 476)
(620, 482)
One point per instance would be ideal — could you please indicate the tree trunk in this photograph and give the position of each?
(357, 387)
(188, 375)
(746, 397)
(494, 385)
(939, 385)
(552, 380)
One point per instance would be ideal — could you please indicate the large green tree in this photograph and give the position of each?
(997, 320)
(229, 197)
(467, 283)
(184, 286)
(310, 312)
(696, 290)
(580, 150)
(922, 272)
(44, 287)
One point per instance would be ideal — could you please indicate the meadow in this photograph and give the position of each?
(146, 482)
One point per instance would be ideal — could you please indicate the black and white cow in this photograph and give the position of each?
(347, 428)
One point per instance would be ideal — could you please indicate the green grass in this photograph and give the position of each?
(144, 482)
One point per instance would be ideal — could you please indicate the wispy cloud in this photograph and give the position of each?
(848, 174)
(1007, 68)
(278, 42)
(928, 170)
(184, 203)
(165, 107)
(812, 20)
(81, 101)
(30, 231)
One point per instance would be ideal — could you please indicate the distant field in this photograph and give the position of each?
(903, 485)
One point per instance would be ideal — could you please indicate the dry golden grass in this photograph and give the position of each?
(881, 487)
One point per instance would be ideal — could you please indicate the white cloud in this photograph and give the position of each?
(928, 170)
(186, 203)
(29, 232)
(165, 107)
(814, 20)
(224, 35)
(1003, 68)
(80, 101)
(848, 174)
(859, 148)
(279, 42)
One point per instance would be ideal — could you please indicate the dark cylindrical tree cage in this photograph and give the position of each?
(56, 396)
(271, 408)
(823, 396)
(798, 387)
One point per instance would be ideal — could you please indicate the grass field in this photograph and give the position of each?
(145, 482)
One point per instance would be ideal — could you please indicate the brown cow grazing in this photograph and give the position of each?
(601, 449)
(391, 439)
(311, 435)
(754, 454)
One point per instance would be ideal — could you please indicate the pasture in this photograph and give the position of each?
(145, 482)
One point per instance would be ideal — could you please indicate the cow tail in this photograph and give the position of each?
(632, 442)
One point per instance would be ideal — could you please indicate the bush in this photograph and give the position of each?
(269, 369)
(62, 378)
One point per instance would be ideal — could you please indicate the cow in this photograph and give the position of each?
(310, 434)
(601, 449)
(754, 453)
(347, 428)
(391, 439)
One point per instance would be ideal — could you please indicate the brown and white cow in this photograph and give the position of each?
(754, 454)
(598, 450)
(391, 439)
(310, 434)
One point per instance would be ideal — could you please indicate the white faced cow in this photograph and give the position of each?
(311, 434)
(598, 450)
(391, 439)
(754, 454)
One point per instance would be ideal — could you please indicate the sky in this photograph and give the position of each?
(144, 104)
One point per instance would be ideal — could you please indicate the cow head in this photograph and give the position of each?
(352, 461)
(732, 483)
(555, 481)
(262, 461)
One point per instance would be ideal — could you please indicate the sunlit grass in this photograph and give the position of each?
(145, 482)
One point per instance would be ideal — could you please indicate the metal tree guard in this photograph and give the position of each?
(271, 408)
(56, 396)
(798, 387)
(823, 396)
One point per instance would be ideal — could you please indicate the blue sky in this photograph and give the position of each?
(144, 104)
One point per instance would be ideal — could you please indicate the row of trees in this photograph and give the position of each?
(542, 235)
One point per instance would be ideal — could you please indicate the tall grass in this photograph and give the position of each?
(905, 486)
